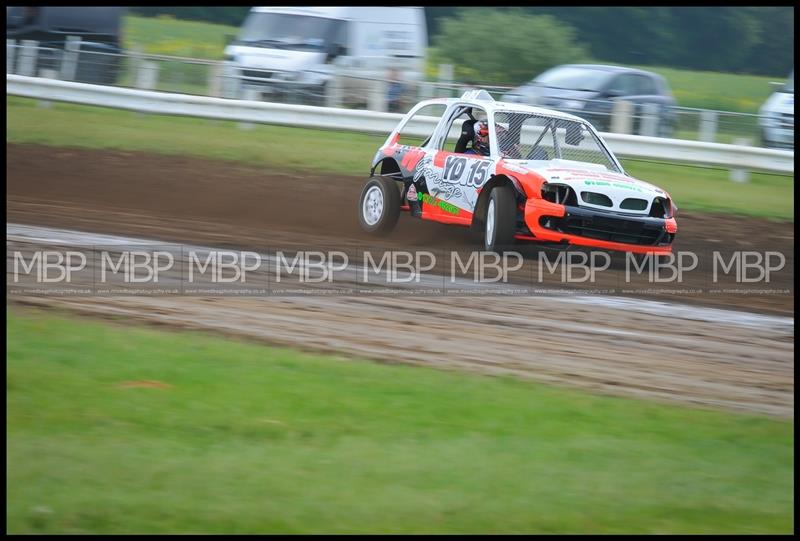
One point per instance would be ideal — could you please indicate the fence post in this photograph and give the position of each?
(69, 60)
(250, 94)
(377, 99)
(333, 90)
(708, 126)
(230, 81)
(147, 75)
(621, 117)
(27, 58)
(215, 80)
(741, 175)
(46, 74)
(649, 123)
(11, 54)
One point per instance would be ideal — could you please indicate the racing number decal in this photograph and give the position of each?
(456, 171)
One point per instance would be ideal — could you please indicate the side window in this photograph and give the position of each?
(339, 36)
(645, 86)
(421, 126)
(623, 85)
(523, 136)
(457, 140)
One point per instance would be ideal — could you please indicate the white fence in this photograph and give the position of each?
(734, 157)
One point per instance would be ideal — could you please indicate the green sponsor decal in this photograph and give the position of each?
(444, 205)
(613, 185)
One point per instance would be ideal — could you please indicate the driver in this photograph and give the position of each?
(480, 141)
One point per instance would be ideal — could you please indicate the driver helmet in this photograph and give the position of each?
(481, 140)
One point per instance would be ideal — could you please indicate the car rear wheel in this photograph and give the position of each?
(379, 206)
(500, 219)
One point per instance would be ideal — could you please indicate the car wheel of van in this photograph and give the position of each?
(379, 206)
(665, 128)
(765, 142)
(317, 95)
(501, 217)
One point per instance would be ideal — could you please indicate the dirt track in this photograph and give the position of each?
(216, 204)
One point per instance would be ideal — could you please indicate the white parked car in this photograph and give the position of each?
(776, 117)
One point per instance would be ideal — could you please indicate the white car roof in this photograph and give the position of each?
(481, 98)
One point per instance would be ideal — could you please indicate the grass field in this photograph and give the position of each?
(341, 153)
(169, 36)
(721, 91)
(699, 89)
(118, 429)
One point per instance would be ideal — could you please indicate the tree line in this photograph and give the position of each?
(755, 40)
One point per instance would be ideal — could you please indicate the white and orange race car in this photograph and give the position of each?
(542, 176)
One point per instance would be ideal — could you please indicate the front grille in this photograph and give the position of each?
(786, 120)
(645, 232)
(257, 74)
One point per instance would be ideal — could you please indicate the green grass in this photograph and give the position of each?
(168, 36)
(248, 438)
(720, 91)
(341, 153)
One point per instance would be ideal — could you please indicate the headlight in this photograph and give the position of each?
(573, 104)
(555, 193)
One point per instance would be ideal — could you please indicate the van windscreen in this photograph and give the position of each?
(287, 31)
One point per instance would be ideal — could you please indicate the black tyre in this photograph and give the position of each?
(665, 127)
(501, 219)
(765, 142)
(379, 206)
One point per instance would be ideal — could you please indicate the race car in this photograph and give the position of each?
(513, 172)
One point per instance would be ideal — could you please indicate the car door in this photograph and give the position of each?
(647, 92)
(630, 87)
(452, 178)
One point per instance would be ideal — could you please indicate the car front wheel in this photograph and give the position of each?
(500, 219)
(379, 206)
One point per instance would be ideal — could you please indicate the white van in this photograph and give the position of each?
(295, 50)
(776, 116)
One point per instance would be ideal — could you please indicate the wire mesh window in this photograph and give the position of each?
(525, 136)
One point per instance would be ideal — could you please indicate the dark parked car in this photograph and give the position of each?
(98, 27)
(590, 90)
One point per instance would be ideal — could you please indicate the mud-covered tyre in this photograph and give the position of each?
(500, 220)
(379, 206)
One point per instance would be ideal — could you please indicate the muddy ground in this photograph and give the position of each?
(607, 349)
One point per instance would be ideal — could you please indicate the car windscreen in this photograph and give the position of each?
(287, 31)
(527, 136)
(573, 78)
(65, 20)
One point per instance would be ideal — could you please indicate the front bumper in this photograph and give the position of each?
(781, 137)
(580, 226)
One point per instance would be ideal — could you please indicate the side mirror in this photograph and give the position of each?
(335, 50)
(614, 93)
(775, 85)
